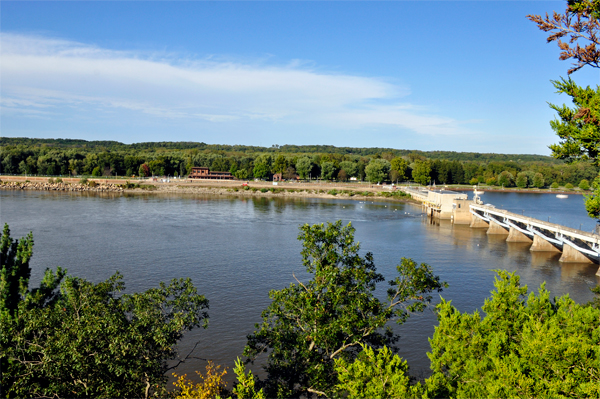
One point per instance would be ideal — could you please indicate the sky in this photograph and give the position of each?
(421, 75)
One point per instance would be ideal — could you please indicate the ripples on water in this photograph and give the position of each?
(237, 249)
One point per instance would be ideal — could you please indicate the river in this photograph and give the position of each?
(237, 249)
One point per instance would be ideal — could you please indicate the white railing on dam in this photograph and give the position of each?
(584, 242)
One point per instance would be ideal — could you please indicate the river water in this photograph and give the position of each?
(237, 249)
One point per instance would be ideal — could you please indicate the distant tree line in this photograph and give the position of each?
(109, 158)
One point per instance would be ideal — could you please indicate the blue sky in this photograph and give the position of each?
(459, 76)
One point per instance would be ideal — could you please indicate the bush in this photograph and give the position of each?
(246, 188)
(51, 180)
(473, 181)
(263, 190)
(83, 181)
(584, 184)
(58, 180)
(332, 192)
(554, 185)
(92, 183)
(569, 186)
(491, 181)
(129, 185)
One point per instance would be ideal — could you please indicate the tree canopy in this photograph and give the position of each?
(74, 338)
(525, 346)
(310, 324)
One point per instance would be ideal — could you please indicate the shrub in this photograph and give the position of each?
(210, 386)
(263, 190)
(246, 188)
(584, 184)
(58, 180)
(129, 185)
(83, 181)
(50, 180)
(92, 183)
(554, 185)
(473, 181)
(332, 192)
(568, 186)
(491, 181)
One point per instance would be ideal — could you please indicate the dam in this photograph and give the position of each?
(575, 246)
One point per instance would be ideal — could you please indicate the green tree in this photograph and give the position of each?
(421, 172)
(261, 170)
(310, 324)
(578, 128)
(400, 165)
(584, 184)
(538, 180)
(280, 164)
(350, 168)
(521, 181)
(15, 270)
(378, 170)
(73, 338)
(524, 347)
(303, 167)
(506, 179)
(327, 170)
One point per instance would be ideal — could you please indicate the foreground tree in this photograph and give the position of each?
(534, 347)
(73, 338)
(375, 373)
(579, 22)
(579, 127)
(310, 324)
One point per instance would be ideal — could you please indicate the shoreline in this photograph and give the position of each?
(234, 188)
(326, 190)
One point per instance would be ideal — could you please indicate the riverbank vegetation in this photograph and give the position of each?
(60, 157)
(325, 336)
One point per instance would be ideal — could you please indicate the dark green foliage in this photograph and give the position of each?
(578, 128)
(524, 347)
(596, 301)
(310, 324)
(14, 269)
(73, 338)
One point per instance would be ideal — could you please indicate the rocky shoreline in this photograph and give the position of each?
(11, 185)
(270, 192)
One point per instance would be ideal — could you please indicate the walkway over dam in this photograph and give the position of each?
(575, 246)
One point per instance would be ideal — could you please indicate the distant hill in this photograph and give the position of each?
(288, 148)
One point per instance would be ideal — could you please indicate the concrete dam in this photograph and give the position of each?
(575, 246)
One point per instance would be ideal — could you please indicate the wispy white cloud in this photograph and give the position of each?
(43, 75)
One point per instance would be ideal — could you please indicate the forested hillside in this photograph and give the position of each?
(112, 158)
